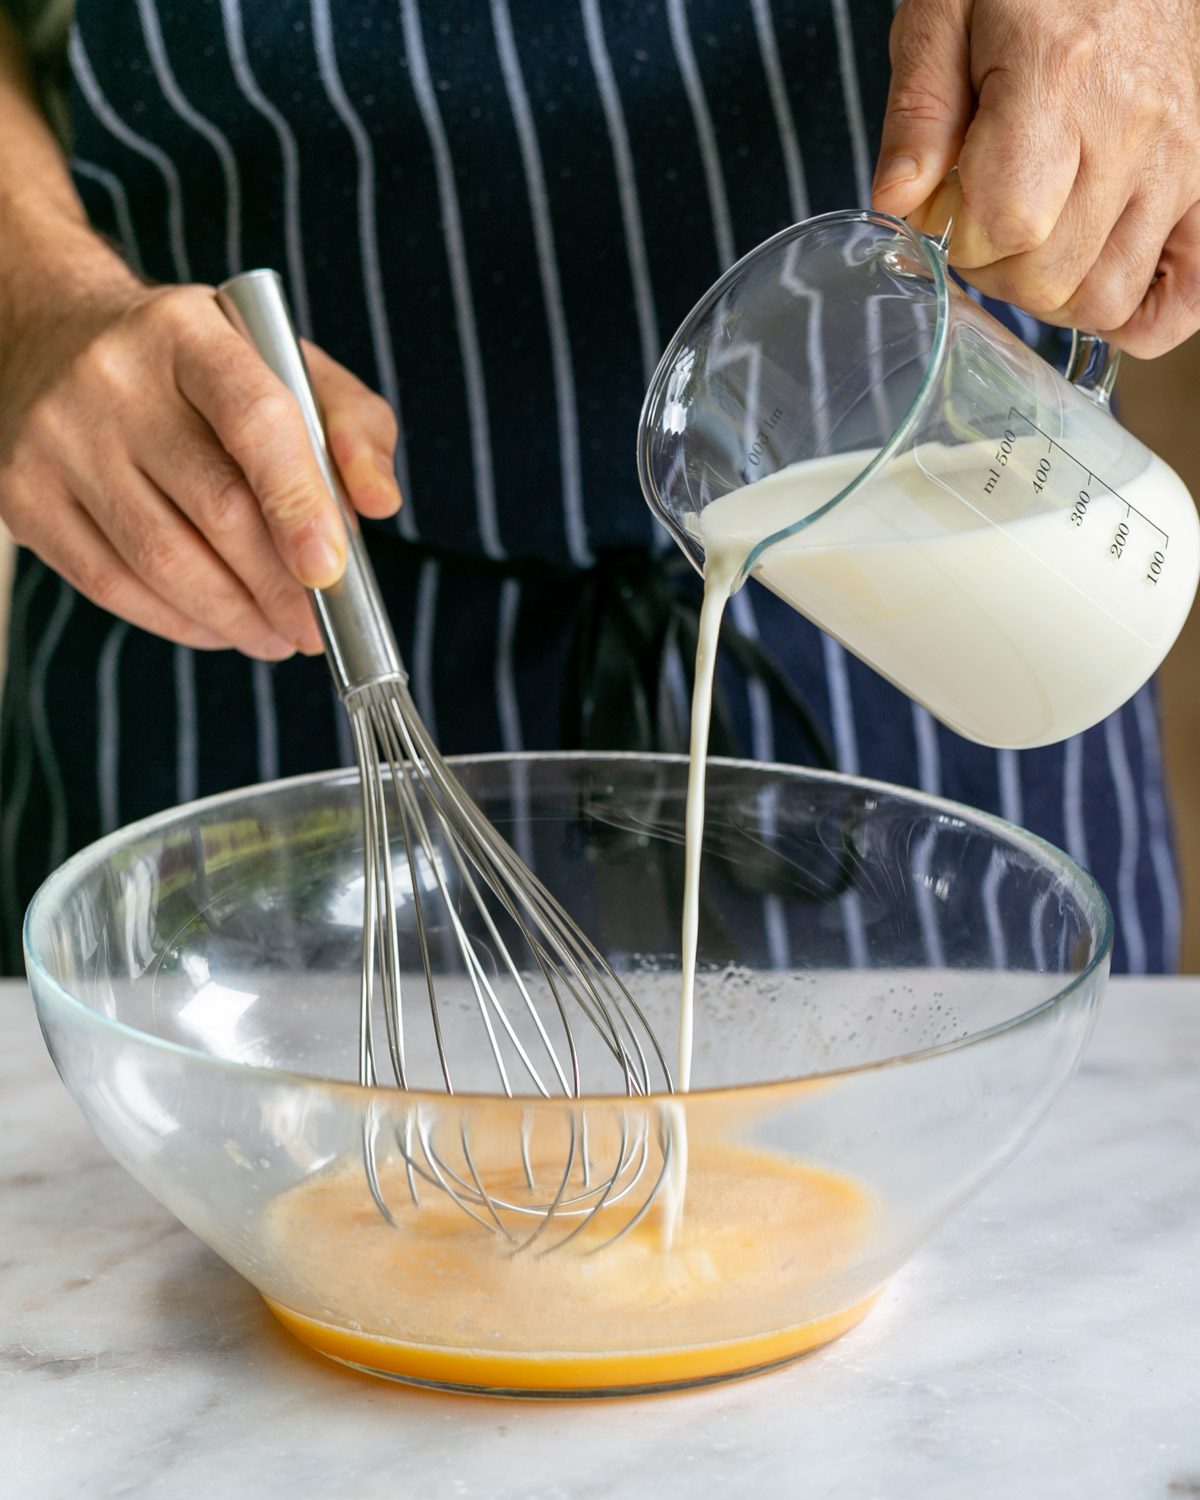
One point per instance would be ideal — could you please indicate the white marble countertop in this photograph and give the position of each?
(1046, 1344)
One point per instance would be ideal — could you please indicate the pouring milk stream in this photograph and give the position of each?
(839, 420)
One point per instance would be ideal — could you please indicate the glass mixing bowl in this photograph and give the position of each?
(893, 990)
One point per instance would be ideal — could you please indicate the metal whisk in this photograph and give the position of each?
(526, 971)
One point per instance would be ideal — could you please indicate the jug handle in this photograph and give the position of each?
(1092, 367)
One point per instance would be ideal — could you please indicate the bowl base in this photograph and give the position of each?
(567, 1376)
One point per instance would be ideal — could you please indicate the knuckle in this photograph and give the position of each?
(1143, 109)
(174, 310)
(1044, 299)
(43, 432)
(1047, 288)
(915, 104)
(101, 583)
(105, 362)
(1017, 228)
(228, 507)
(291, 501)
(187, 336)
(1104, 303)
(154, 554)
(1074, 46)
(256, 420)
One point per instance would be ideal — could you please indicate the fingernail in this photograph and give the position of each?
(896, 170)
(319, 564)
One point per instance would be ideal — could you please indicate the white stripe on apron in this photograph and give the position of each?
(929, 779)
(574, 521)
(368, 239)
(1129, 919)
(785, 124)
(108, 726)
(1011, 802)
(509, 711)
(1158, 824)
(423, 636)
(175, 97)
(631, 213)
(718, 202)
(22, 747)
(235, 45)
(115, 189)
(929, 759)
(265, 721)
(39, 724)
(631, 209)
(852, 95)
(90, 88)
(460, 283)
(1073, 824)
(187, 749)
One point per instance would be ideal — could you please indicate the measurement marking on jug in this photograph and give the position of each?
(762, 437)
(1008, 439)
(1041, 475)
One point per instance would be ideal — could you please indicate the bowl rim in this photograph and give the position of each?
(1084, 885)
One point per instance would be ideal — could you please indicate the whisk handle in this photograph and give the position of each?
(354, 624)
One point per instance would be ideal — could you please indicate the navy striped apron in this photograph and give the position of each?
(496, 212)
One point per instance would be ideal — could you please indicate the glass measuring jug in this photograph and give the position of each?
(844, 422)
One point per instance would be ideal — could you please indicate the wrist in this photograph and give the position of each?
(58, 280)
(45, 239)
(52, 260)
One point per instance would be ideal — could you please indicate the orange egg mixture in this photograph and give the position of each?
(754, 1276)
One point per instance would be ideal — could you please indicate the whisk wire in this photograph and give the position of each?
(501, 867)
(577, 954)
(400, 779)
(385, 899)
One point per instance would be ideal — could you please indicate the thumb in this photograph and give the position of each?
(930, 102)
